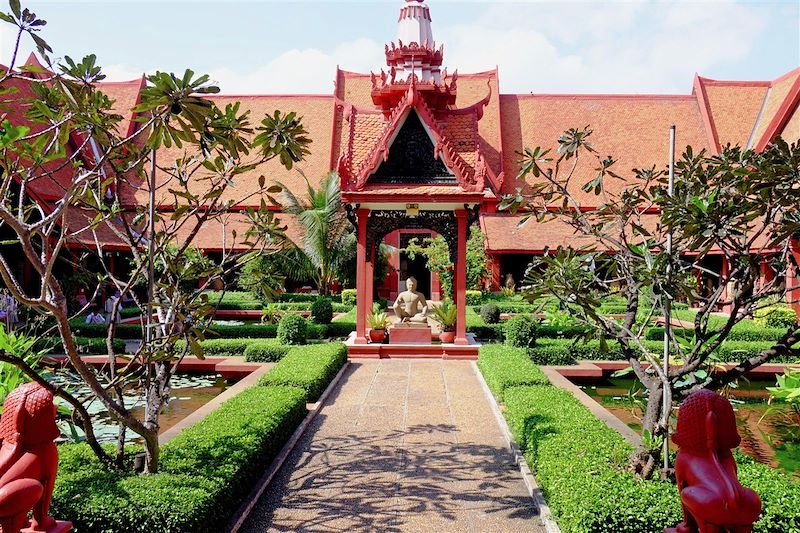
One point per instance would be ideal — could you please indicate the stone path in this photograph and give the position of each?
(400, 446)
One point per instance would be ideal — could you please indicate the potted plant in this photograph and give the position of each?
(446, 314)
(377, 321)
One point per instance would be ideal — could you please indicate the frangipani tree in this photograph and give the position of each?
(61, 129)
(739, 204)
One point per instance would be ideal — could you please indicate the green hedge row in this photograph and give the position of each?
(567, 351)
(86, 345)
(205, 472)
(579, 463)
(310, 368)
(743, 331)
(504, 367)
(254, 331)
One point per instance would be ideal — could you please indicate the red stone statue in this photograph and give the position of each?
(712, 499)
(28, 461)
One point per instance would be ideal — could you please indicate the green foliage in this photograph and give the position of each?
(490, 314)
(446, 314)
(186, 267)
(310, 368)
(788, 388)
(473, 297)
(87, 345)
(265, 352)
(205, 472)
(437, 254)
(743, 331)
(322, 311)
(377, 319)
(520, 331)
(21, 347)
(262, 277)
(776, 316)
(235, 300)
(349, 296)
(223, 347)
(579, 463)
(292, 329)
(504, 367)
(271, 314)
(297, 297)
(325, 233)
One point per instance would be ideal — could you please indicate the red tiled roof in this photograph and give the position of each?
(125, 95)
(780, 90)
(791, 132)
(317, 113)
(733, 108)
(632, 128)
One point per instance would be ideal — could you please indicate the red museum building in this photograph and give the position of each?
(422, 151)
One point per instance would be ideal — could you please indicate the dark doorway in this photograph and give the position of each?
(416, 267)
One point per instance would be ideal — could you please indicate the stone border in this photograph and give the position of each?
(600, 412)
(206, 409)
(238, 519)
(535, 492)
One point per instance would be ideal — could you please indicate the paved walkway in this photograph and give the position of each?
(401, 446)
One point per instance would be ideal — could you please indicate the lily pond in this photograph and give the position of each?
(770, 433)
(189, 392)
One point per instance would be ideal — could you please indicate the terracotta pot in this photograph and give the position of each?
(377, 335)
(447, 337)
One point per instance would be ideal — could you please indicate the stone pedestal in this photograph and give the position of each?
(407, 333)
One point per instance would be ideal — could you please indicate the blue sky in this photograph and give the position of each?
(563, 47)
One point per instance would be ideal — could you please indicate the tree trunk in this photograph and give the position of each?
(646, 458)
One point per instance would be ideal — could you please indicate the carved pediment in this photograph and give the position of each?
(412, 158)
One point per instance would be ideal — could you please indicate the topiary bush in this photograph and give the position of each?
(265, 352)
(490, 313)
(349, 297)
(292, 329)
(474, 297)
(520, 331)
(322, 311)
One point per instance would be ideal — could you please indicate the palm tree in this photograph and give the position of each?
(325, 244)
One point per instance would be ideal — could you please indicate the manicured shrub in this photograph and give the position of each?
(490, 313)
(86, 345)
(292, 329)
(234, 300)
(339, 328)
(579, 463)
(310, 368)
(205, 472)
(743, 331)
(520, 331)
(259, 352)
(776, 316)
(297, 297)
(473, 297)
(322, 311)
(504, 367)
(124, 331)
(349, 297)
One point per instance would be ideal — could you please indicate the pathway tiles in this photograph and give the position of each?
(401, 446)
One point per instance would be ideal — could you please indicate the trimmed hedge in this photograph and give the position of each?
(205, 472)
(297, 297)
(744, 331)
(504, 367)
(322, 311)
(292, 329)
(87, 345)
(520, 331)
(579, 463)
(310, 368)
(473, 297)
(489, 313)
(235, 300)
(265, 353)
(349, 297)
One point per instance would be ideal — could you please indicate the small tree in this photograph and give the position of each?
(437, 255)
(740, 204)
(64, 133)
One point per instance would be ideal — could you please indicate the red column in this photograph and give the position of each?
(495, 272)
(369, 274)
(460, 281)
(361, 267)
(723, 279)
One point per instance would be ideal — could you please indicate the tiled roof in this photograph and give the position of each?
(317, 113)
(779, 90)
(126, 96)
(632, 128)
(734, 108)
(791, 132)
